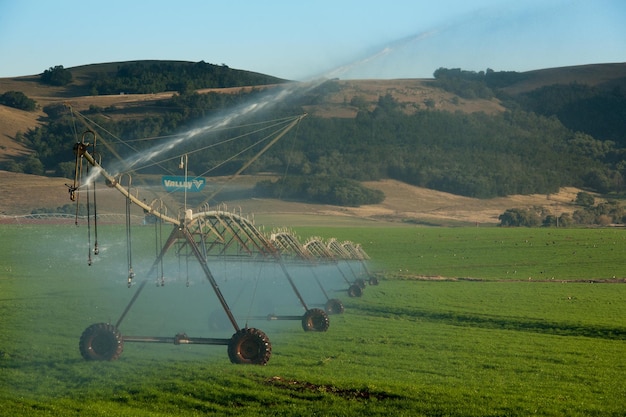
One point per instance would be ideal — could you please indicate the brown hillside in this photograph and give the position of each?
(597, 75)
(412, 94)
(22, 193)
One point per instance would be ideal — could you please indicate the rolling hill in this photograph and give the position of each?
(403, 202)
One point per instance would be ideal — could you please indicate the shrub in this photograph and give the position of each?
(57, 76)
(519, 217)
(585, 199)
(321, 189)
(18, 100)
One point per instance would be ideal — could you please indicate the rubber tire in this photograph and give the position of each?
(355, 291)
(373, 280)
(360, 282)
(315, 320)
(334, 306)
(101, 342)
(249, 346)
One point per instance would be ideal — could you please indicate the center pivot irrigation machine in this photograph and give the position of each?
(207, 234)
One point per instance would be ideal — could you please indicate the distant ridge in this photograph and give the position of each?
(608, 75)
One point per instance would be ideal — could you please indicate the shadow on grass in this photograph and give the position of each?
(503, 323)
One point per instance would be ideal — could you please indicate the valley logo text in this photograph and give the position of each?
(175, 183)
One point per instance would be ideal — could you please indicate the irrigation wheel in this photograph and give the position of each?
(334, 306)
(355, 291)
(315, 320)
(360, 282)
(373, 280)
(249, 346)
(101, 342)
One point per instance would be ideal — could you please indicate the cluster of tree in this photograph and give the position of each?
(610, 212)
(466, 84)
(18, 100)
(605, 213)
(472, 84)
(598, 112)
(57, 76)
(320, 189)
(475, 155)
(193, 106)
(30, 164)
(146, 78)
(49, 144)
(519, 217)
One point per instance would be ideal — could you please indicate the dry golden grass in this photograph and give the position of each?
(412, 94)
(21, 193)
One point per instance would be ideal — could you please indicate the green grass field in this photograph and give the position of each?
(529, 329)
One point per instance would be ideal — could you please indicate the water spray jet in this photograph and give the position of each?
(103, 341)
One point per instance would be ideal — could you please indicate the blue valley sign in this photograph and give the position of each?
(175, 183)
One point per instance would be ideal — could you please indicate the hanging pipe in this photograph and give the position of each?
(96, 250)
(158, 239)
(129, 256)
(88, 224)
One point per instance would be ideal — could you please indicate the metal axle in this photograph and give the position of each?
(179, 339)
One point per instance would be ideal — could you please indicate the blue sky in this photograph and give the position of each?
(301, 40)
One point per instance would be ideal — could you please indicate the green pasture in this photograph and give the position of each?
(536, 329)
(490, 253)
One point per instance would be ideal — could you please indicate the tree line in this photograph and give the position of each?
(595, 110)
(602, 214)
(321, 189)
(183, 77)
